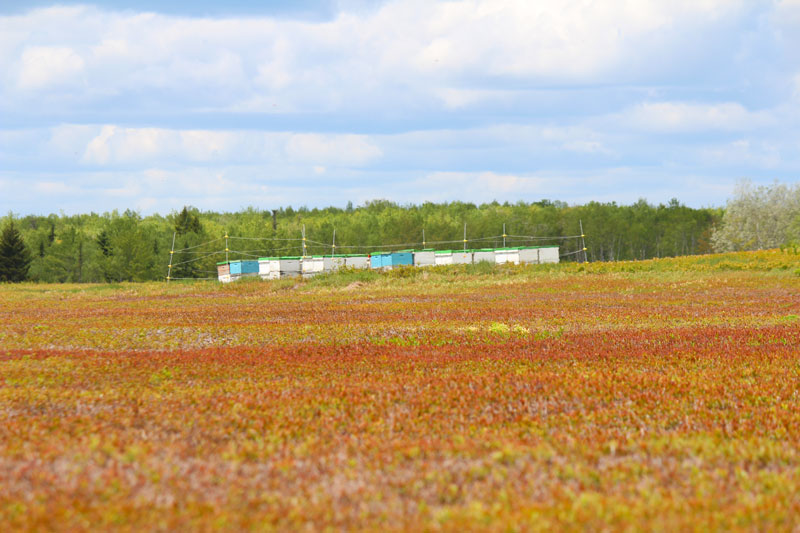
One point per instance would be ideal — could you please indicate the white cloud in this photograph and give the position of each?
(68, 140)
(743, 153)
(344, 150)
(488, 185)
(53, 187)
(687, 117)
(98, 151)
(454, 98)
(587, 147)
(115, 145)
(482, 98)
(360, 58)
(45, 66)
(513, 139)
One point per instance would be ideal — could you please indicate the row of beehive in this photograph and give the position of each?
(283, 267)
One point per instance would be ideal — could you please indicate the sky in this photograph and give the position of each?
(153, 105)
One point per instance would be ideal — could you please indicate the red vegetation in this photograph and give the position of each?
(602, 401)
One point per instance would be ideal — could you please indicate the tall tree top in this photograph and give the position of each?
(15, 259)
(187, 222)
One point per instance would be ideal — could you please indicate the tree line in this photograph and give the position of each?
(113, 247)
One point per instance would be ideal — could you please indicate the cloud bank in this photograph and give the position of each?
(410, 100)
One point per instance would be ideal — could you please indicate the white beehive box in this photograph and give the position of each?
(356, 261)
(329, 264)
(548, 254)
(506, 255)
(444, 257)
(483, 255)
(529, 255)
(269, 268)
(311, 266)
(289, 266)
(424, 258)
(462, 258)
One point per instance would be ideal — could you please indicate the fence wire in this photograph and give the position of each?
(312, 246)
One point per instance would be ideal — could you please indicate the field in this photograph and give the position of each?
(657, 395)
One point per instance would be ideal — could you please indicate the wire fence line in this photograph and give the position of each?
(305, 244)
(201, 244)
(305, 247)
(265, 239)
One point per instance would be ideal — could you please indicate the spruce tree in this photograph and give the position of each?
(15, 259)
(187, 222)
(187, 226)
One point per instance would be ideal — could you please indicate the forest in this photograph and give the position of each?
(127, 246)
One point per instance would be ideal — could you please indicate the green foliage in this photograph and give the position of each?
(191, 259)
(480, 268)
(65, 260)
(114, 247)
(187, 222)
(131, 253)
(15, 259)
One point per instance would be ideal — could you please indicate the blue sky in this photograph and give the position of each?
(153, 105)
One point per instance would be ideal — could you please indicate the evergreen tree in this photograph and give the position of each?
(185, 266)
(187, 226)
(104, 243)
(187, 222)
(15, 259)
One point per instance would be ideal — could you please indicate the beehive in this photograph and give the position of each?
(224, 272)
(356, 261)
(380, 260)
(243, 269)
(548, 254)
(461, 257)
(529, 255)
(289, 266)
(332, 262)
(485, 254)
(400, 259)
(506, 255)
(424, 258)
(443, 257)
(312, 265)
(269, 268)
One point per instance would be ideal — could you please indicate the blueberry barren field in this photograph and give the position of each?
(662, 394)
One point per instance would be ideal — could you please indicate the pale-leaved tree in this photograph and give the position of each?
(758, 218)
